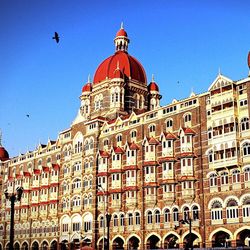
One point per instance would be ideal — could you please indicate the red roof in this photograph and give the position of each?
(55, 166)
(189, 131)
(133, 146)
(3, 154)
(130, 167)
(153, 87)
(121, 32)
(45, 169)
(37, 171)
(130, 67)
(27, 174)
(170, 136)
(153, 141)
(118, 150)
(131, 188)
(87, 87)
(164, 159)
(150, 163)
(104, 154)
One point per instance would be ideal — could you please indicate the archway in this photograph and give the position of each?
(45, 245)
(133, 243)
(53, 245)
(118, 244)
(64, 245)
(243, 238)
(221, 239)
(153, 242)
(100, 245)
(25, 246)
(171, 241)
(190, 240)
(16, 246)
(35, 246)
(7, 246)
(1, 247)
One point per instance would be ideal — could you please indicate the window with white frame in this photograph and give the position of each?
(213, 180)
(169, 123)
(244, 123)
(216, 211)
(130, 219)
(149, 217)
(115, 220)
(246, 207)
(236, 176)
(175, 215)
(137, 218)
(246, 148)
(232, 209)
(166, 215)
(224, 178)
(247, 174)
(122, 220)
(157, 217)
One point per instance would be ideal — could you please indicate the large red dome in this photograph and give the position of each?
(130, 67)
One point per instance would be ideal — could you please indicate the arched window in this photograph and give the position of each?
(133, 134)
(176, 215)
(106, 142)
(195, 213)
(157, 217)
(187, 118)
(115, 220)
(119, 138)
(224, 178)
(246, 148)
(216, 211)
(130, 219)
(210, 156)
(247, 174)
(244, 123)
(186, 213)
(149, 217)
(122, 220)
(151, 128)
(232, 209)
(246, 207)
(166, 215)
(169, 123)
(91, 143)
(101, 222)
(213, 180)
(137, 218)
(236, 176)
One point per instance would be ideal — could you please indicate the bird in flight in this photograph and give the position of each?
(28, 116)
(56, 37)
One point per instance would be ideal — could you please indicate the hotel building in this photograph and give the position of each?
(166, 176)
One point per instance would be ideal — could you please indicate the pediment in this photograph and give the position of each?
(220, 81)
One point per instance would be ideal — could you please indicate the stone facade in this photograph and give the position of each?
(168, 176)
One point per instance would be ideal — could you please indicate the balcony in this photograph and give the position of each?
(223, 163)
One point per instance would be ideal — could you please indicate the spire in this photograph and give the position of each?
(219, 72)
(248, 61)
(121, 25)
(1, 138)
(89, 80)
(153, 79)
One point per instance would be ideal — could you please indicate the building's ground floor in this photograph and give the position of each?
(220, 237)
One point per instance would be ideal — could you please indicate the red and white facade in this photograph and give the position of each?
(148, 166)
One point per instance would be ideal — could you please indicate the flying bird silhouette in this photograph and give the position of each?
(28, 116)
(56, 37)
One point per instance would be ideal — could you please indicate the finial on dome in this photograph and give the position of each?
(153, 78)
(89, 80)
(1, 138)
(122, 26)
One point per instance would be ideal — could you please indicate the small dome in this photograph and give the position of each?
(3, 154)
(153, 87)
(87, 87)
(121, 32)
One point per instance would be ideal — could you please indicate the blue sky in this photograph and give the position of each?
(185, 41)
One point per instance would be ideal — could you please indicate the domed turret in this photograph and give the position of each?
(3, 152)
(87, 87)
(154, 96)
(121, 40)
